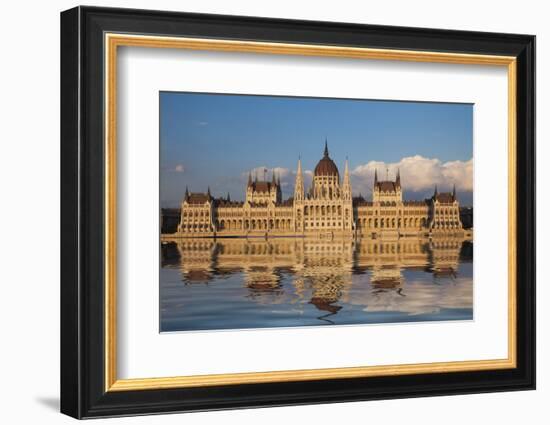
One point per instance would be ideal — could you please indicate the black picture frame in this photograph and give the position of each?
(83, 392)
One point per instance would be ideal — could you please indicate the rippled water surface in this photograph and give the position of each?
(208, 284)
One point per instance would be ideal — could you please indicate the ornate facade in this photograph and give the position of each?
(326, 209)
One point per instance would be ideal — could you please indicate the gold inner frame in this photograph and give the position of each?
(113, 41)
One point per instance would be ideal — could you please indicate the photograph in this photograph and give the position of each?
(280, 211)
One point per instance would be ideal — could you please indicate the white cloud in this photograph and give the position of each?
(179, 168)
(419, 173)
(202, 123)
(308, 178)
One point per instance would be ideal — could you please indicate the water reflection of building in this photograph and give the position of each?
(322, 271)
(386, 277)
(326, 209)
(445, 255)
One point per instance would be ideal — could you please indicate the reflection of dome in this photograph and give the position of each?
(326, 166)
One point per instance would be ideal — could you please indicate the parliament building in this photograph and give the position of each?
(327, 209)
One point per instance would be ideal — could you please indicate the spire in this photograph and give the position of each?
(249, 179)
(325, 154)
(208, 193)
(186, 192)
(273, 181)
(375, 176)
(435, 191)
(279, 190)
(228, 197)
(256, 177)
(299, 184)
(398, 178)
(346, 172)
(346, 186)
(454, 191)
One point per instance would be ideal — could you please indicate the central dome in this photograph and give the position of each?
(326, 166)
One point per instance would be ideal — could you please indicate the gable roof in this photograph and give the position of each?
(197, 198)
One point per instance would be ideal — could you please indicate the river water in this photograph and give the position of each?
(208, 284)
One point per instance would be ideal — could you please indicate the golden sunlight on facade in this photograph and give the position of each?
(326, 210)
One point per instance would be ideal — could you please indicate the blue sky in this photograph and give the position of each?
(215, 140)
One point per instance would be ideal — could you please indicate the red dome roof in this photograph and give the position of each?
(326, 166)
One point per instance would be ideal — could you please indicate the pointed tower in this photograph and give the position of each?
(299, 184)
(273, 190)
(249, 179)
(454, 191)
(435, 192)
(228, 197)
(208, 192)
(375, 188)
(279, 189)
(186, 193)
(346, 185)
(325, 153)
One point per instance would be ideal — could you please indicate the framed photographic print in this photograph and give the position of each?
(261, 212)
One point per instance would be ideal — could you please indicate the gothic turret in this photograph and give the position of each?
(279, 189)
(346, 186)
(299, 184)
(387, 192)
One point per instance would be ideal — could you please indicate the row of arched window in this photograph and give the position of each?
(322, 210)
(446, 211)
(195, 213)
(195, 227)
(446, 223)
(391, 223)
(254, 224)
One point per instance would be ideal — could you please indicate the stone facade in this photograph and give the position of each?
(327, 209)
